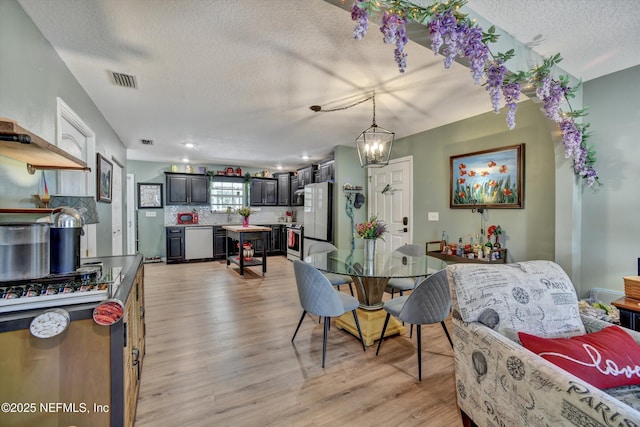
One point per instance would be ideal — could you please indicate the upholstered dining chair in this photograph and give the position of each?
(335, 279)
(402, 284)
(317, 296)
(430, 302)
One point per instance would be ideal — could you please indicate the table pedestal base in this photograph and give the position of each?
(371, 322)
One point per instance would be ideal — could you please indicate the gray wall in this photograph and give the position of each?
(347, 170)
(610, 227)
(32, 75)
(529, 232)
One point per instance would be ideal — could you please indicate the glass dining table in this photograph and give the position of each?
(370, 278)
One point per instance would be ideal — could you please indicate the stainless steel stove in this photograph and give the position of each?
(295, 237)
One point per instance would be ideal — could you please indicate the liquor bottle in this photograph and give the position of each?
(443, 242)
(460, 251)
(488, 247)
(497, 246)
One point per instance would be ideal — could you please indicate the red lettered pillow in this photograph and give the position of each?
(605, 359)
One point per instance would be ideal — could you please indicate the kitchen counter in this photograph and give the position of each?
(249, 229)
(242, 234)
(225, 224)
(94, 370)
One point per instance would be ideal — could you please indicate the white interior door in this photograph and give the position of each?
(116, 211)
(131, 231)
(391, 199)
(77, 139)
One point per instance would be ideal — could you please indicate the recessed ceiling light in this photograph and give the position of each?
(305, 157)
(185, 160)
(279, 167)
(190, 144)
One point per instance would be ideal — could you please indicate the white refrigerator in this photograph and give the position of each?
(318, 213)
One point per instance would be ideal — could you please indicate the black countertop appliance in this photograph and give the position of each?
(65, 241)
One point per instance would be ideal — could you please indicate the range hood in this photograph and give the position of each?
(20, 144)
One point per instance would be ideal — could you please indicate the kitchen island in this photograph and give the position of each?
(247, 234)
(87, 375)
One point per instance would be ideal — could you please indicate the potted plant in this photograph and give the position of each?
(244, 212)
(370, 231)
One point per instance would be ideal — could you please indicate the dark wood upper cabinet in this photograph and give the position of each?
(187, 189)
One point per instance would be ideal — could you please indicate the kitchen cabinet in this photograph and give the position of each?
(295, 200)
(326, 171)
(187, 189)
(264, 192)
(273, 242)
(306, 175)
(91, 364)
(283, 240)
(134, 346)
(175, 244)
(219, 242)
(284, 193)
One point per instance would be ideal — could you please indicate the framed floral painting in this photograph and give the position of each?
(488, 179)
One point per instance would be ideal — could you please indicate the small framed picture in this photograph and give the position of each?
(105, 179)
(149, 195)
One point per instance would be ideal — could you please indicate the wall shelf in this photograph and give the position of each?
(20, 144)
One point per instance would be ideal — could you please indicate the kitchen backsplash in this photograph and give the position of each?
(266, 215)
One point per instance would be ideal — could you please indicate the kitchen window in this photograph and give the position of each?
(227, 194)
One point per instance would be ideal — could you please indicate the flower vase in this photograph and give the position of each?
(245, 221)
(369, 249)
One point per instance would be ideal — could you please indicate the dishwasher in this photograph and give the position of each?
(198, 242)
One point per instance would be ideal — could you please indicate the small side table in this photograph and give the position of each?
(629, 312)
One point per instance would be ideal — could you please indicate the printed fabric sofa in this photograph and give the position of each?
(499, 382)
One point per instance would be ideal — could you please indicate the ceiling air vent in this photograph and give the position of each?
(147, 141)
(124, 80)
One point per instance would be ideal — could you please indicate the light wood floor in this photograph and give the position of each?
(219, 353)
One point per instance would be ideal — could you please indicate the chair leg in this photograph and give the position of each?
(419, 333)
(384, 328)
(411, 331)
(299, 323)
(355, 317)
(392, 290)
(324, 338)
(351, 288)
(446, 333)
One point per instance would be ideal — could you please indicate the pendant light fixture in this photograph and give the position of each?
(374, 144)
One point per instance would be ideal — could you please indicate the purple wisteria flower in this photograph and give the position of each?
(361, 16)
(495, 77)
(571, 139)
(476, 52)
(555, 96)
(511, 93)
(395, 32)
(446, 31)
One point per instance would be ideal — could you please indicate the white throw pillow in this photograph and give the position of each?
(536, 297)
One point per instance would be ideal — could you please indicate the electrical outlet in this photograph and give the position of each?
(433, 216)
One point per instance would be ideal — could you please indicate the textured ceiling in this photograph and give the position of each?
(236, 77)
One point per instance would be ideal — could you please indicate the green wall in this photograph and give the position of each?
(610, 229)
(529, 232)
(32, 75)
(347, 170)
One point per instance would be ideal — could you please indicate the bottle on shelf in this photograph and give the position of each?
(497, 246)
(443, 241)
(488, 248)
(460, 249)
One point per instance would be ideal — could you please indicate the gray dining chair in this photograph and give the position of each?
(430, 302)
(317, 296)
(402, 284)
(335, 279)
